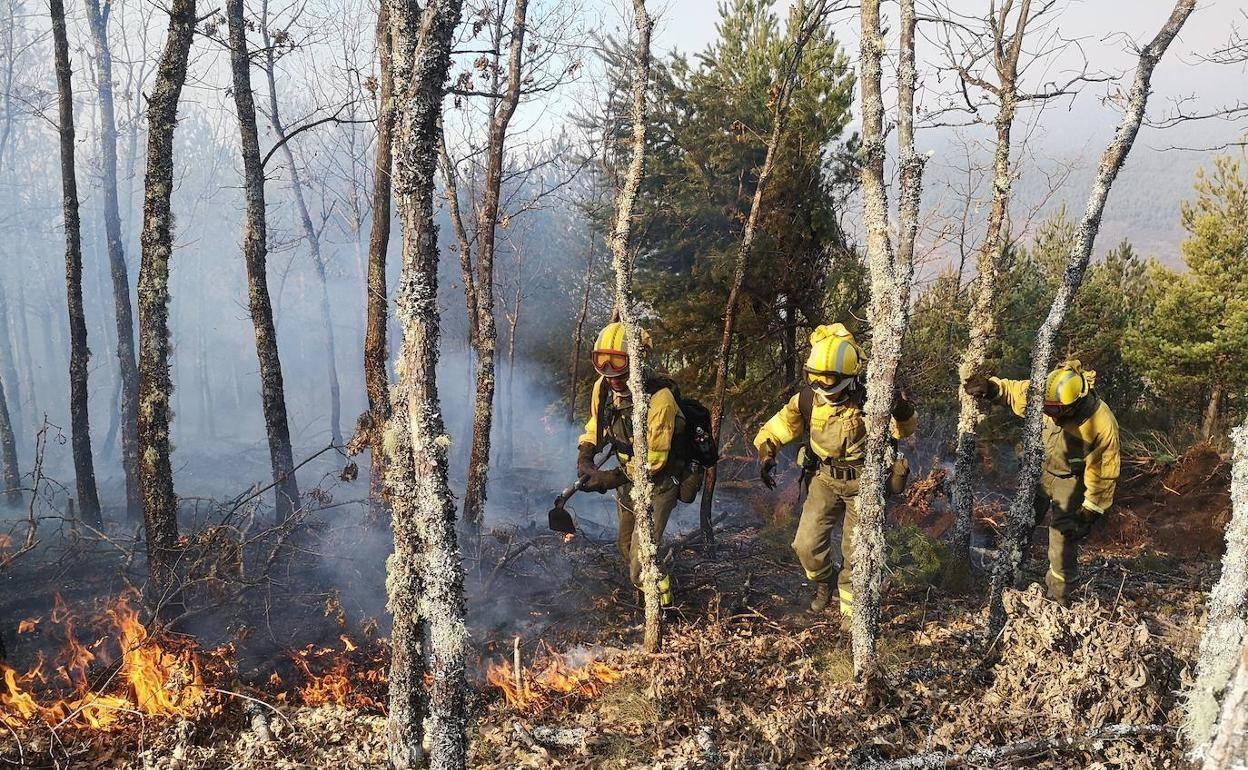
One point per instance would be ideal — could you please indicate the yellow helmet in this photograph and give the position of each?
(834, 360)
(1066, 384)
(610, 355)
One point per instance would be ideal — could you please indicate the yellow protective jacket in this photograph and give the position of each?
(837, 431)
(662, 420)
(1088, 445)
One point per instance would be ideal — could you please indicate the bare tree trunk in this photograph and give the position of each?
(888, 310)
(255, 255)
(79, 353)
(578, 332)
(623, 259)
(990, 264)
(487, 331)
(513, 323)
(803, 24)
(1022, 515)
(160, 504)
(425, 573)
(450, 177)
(1227, 621)
(1229, 747)
(123, 312)
(1209, 425)
(314, 243)
(8, 367)
(9, 473)
(376, 350)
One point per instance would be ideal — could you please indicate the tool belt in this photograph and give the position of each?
(841, 471)
(810, 463)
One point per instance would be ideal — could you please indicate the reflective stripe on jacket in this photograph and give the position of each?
(837, 431)
(664, 412)
(1084, 444)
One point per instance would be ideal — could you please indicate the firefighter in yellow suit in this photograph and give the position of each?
(835, 448)
(611, 422)
(1081, 460)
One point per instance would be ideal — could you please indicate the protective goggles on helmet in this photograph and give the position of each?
(610, 363)
(828, 383)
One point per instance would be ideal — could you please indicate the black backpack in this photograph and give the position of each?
(696, 443)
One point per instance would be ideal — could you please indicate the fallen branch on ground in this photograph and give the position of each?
(992, 756)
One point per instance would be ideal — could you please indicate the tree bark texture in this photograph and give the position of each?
(376, 349)
(804, 23)
(160, 505)
(1229, 747)
(1227, 620)
(487, 224)
(255, 256)
(623, 260)
(890, 278)
(10, 476)
(79, 353)
(1021, 515)
(1209, 425)
(426, 579)
(990, 264)
(578, 332)
(451, 176)
(122, 310)
(314, 245)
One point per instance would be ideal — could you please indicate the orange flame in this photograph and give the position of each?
(160, 675)
(27, 625)
(536, 692)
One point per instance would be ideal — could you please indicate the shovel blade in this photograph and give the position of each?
(561, 521)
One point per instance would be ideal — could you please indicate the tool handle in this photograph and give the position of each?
(580, 482)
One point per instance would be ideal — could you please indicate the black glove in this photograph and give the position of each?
(1078, 526)
(980, 386)
(903, 407)
(604, 481)
(767, 471)
(585, 459)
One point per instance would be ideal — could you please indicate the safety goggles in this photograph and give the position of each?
(828, 383)
(610, 363)
(1056, 410)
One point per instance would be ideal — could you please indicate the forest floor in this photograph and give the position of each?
(747, 676)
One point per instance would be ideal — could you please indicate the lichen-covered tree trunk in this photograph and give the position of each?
(122, 311)
(376, 350)
(803, 23)
(79, 353)
(487, 327)
(1021, 515)
(989, 266)
(623, 259)
(426, 579)
(10, 476)
(1228, 749)
(888, 313)
(1227, 620)
(160, 505)
(255, 255)
(313, 238)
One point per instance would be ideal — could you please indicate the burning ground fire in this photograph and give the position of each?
(536, 690)
(129, 670)
(140, 674)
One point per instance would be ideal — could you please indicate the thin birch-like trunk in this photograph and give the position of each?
(888, 313)
(10, 475)
(1022, 515)
(426, 579)
(623, 259)
(989, 265)
(79, 353)
(1227, 622)
(376, 349)
(578, 332)
(255, 255)
(487, 328)
(123, 312)
(803, 25)
(1229, 747)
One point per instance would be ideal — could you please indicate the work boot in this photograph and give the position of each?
(823, 596)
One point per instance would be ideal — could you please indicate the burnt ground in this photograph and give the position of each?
(747, 677)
